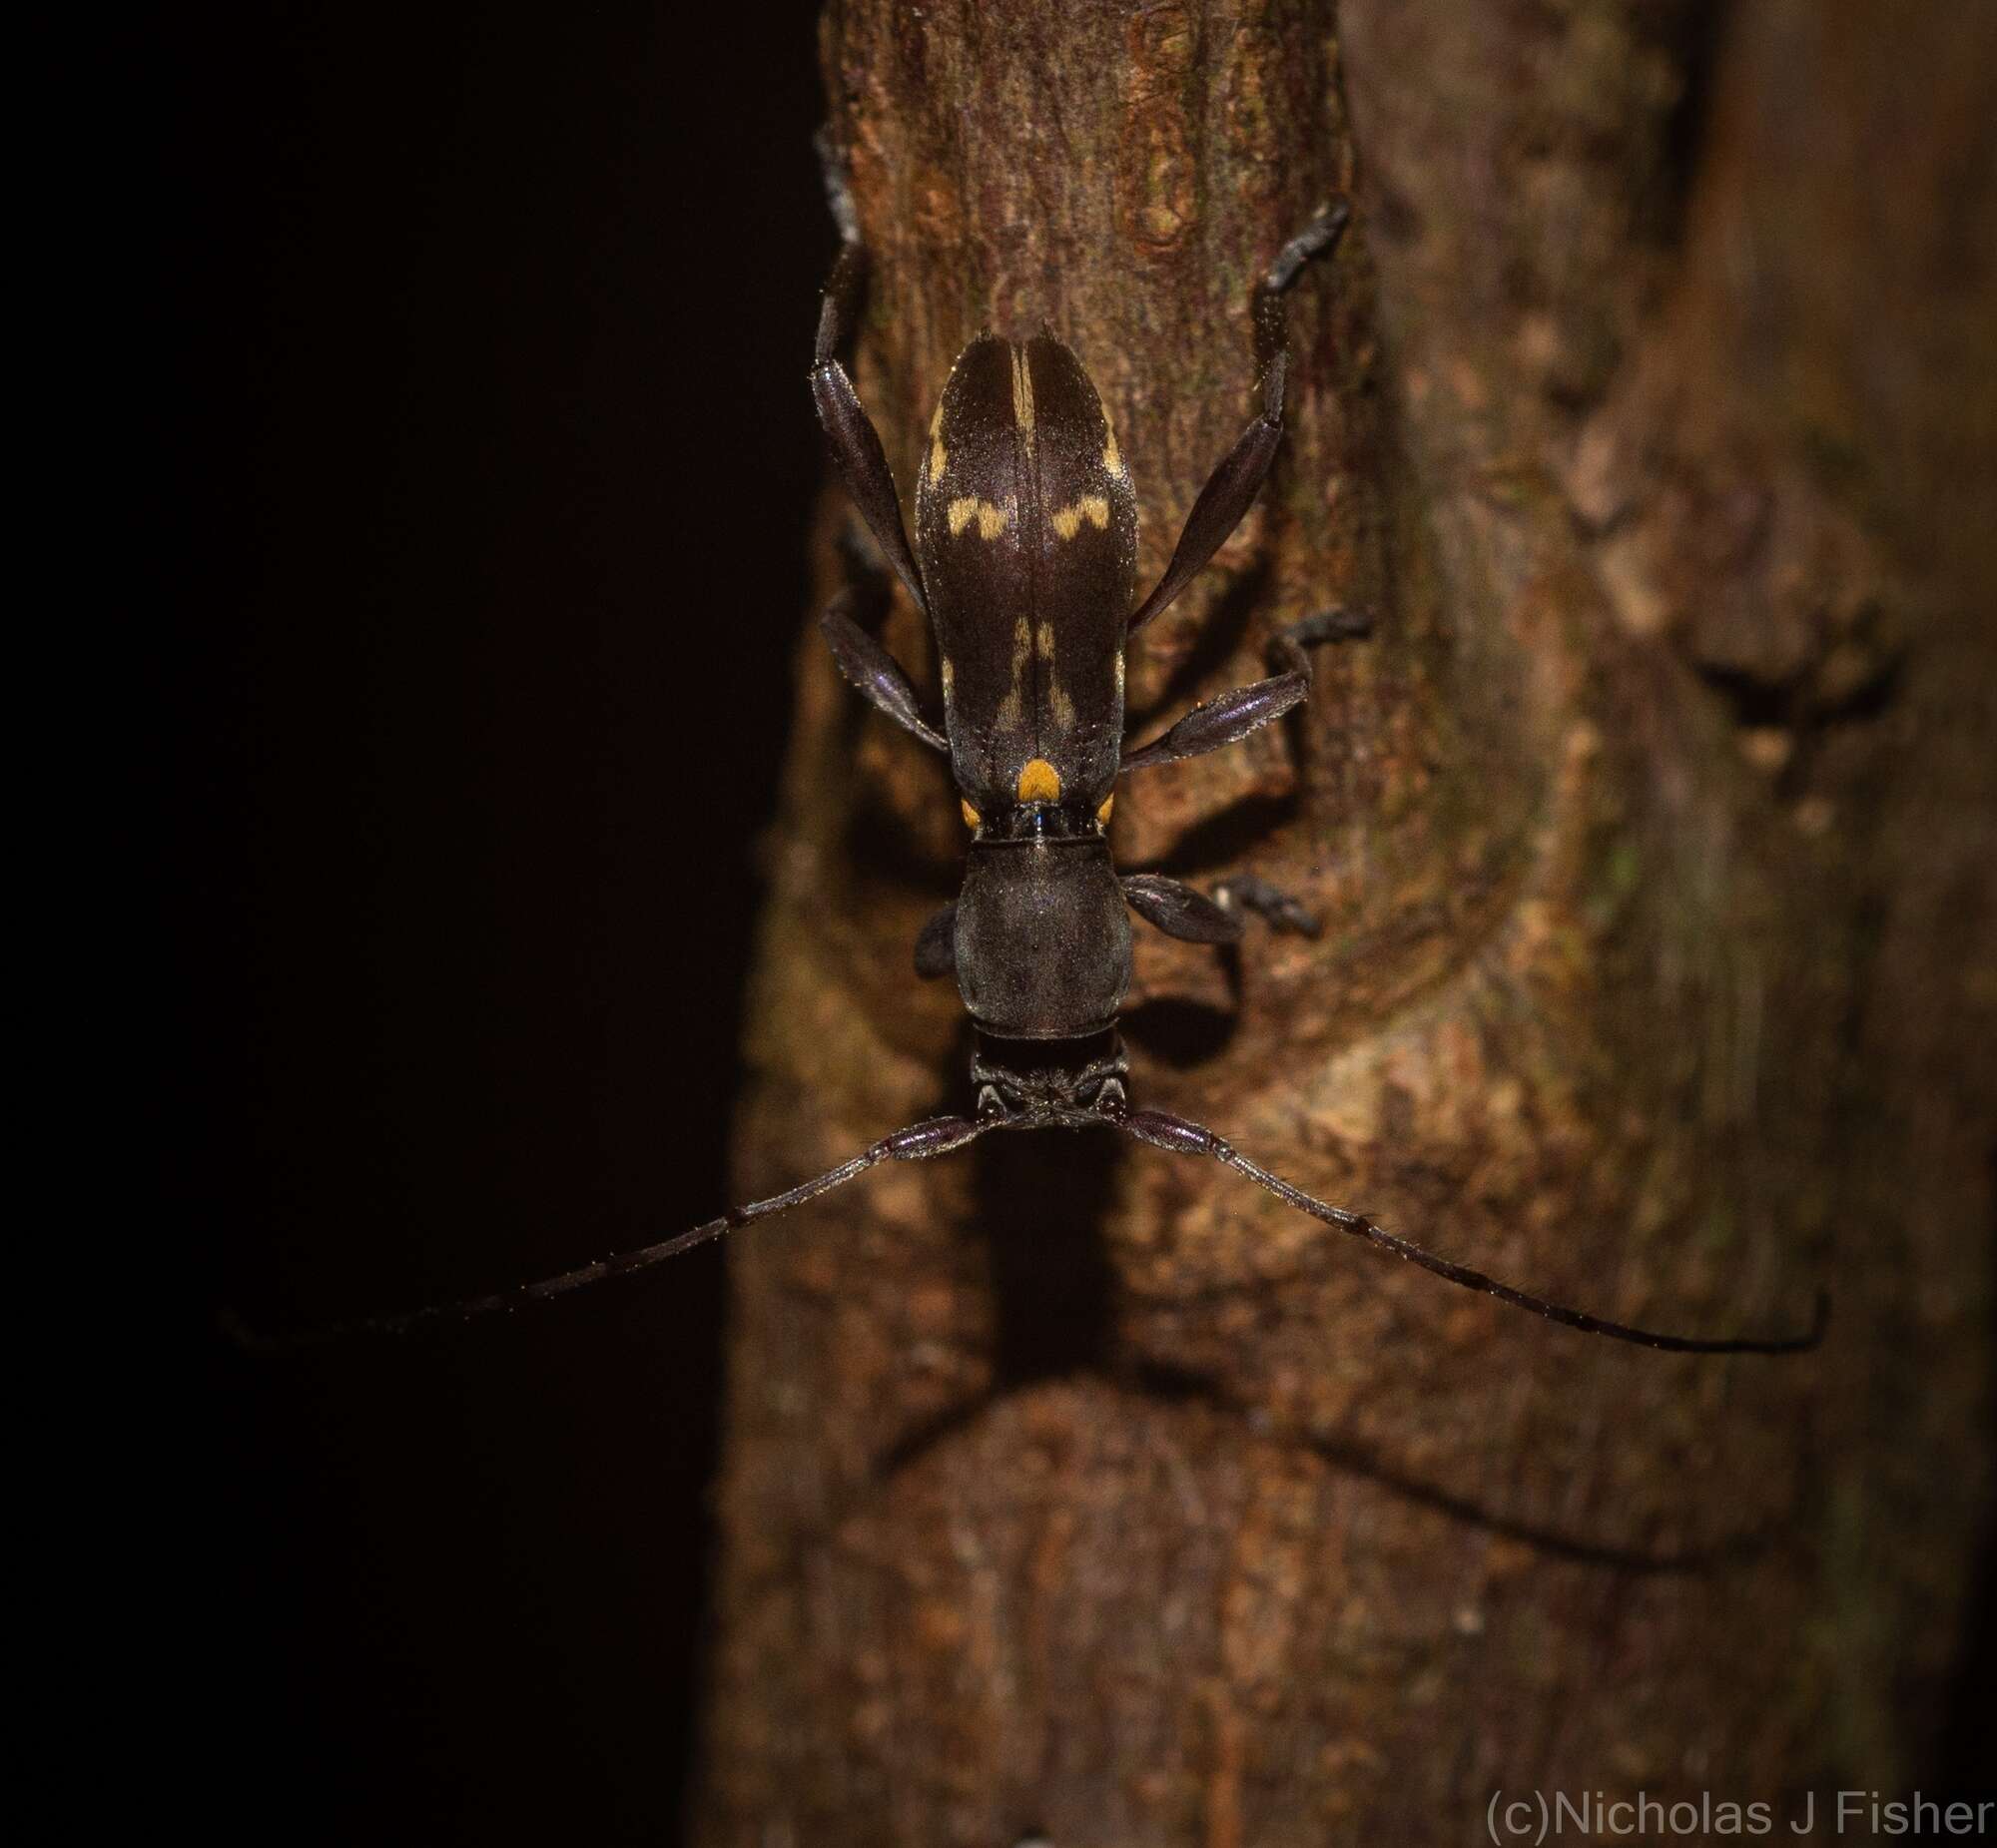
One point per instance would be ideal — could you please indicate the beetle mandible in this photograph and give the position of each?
(1025, 564)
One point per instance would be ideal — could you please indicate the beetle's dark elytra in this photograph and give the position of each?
(1027, 540)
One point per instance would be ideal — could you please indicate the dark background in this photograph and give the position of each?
(490, 461)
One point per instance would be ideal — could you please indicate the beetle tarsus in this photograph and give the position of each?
(1288, 647)
(1320, 238)
(1317, 239)
(838, 191)
(1280, 910)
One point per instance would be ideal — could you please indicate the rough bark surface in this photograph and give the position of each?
(1073, 1488)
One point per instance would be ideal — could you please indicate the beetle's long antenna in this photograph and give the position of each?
(1175, 1134)
(937, 1135)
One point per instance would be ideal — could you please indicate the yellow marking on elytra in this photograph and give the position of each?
(1060, 703)
(1028, 642)
(1040, 781)
(948, 677)
(938, 458)
(1112, 457)
(992, 521)
(1091, 507)
(972, 819)
(1102, 813)
(1013, 707)
(1022, 399)
(1120, 673)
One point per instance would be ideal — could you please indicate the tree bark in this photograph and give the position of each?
(1649, 406)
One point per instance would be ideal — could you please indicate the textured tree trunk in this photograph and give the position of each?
(1071, 1487)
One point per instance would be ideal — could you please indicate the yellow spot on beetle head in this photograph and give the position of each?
(1102, 813)
(1040, 781)
(972, 819)
(1091, 507)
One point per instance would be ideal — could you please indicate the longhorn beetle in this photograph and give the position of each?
(1024, 562)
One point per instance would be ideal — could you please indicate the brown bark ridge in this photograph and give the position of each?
(1074, 1489)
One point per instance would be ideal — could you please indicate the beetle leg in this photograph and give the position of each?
(1234, 715)
(1227, 495)
(1221, 722)
(936, 944)
(1193, 917)
(1179, 910)
(873, 671)
(854, 442)
(1231, 488)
